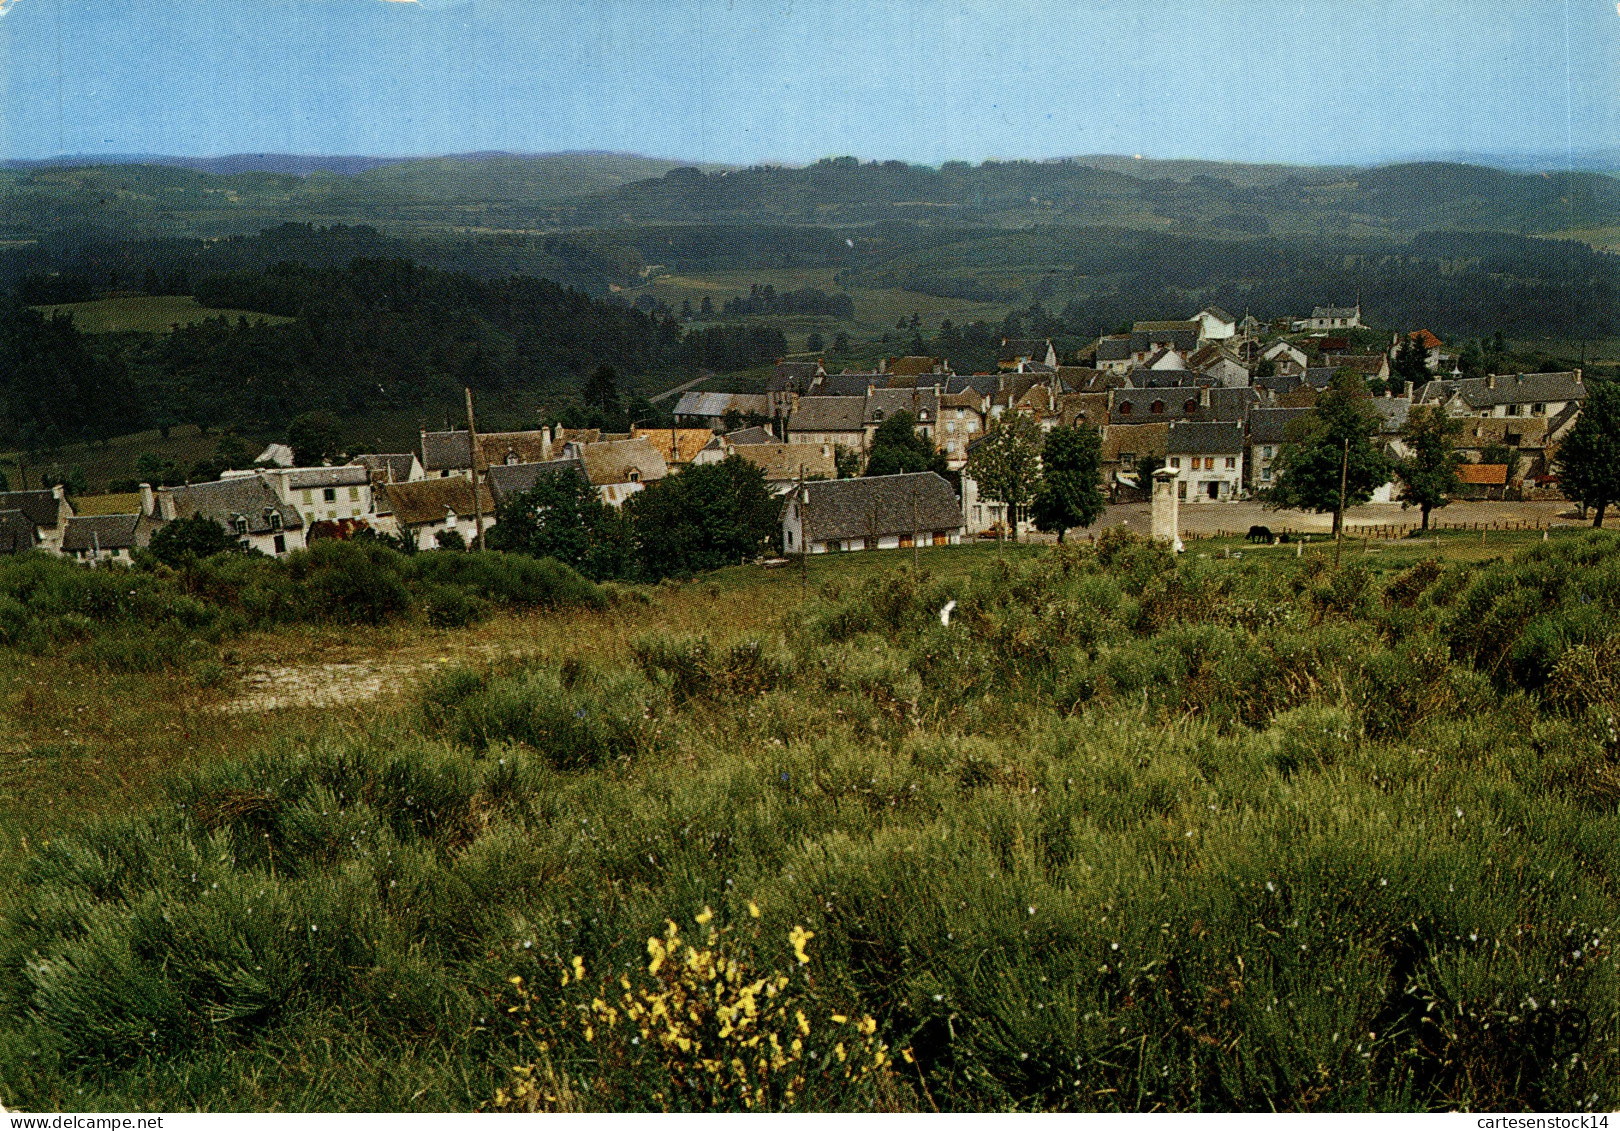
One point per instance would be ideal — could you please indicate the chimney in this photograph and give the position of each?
(148, 501)
(1409, 390)
(1490, 381)
(1203, 396)
(1578, 380)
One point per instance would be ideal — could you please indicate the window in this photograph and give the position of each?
(1175, 462)
(281, 543)
(635, 477)
(309, 497)
(1513, 410)
(1268, 451)
(1157, 406)
(790, 539)
(275, 520)
(1539, 410)
(1265, 473)
(1127, 458)
(239, 523)
(959, 414)
(329, 495)
(1190, 407)
(354, 494)
(950, 426)
(1124, 408)
(1231, 463)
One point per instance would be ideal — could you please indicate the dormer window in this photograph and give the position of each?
(239, 523)
(511, 459)
(275, 520)
(1124, 408)
(635, 476)
(1158, 406)
(1190, 407)
(877, 414)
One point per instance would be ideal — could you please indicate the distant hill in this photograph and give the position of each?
(1185, 169)
(509, 177)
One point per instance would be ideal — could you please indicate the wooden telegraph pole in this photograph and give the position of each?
(1344, 475)
(472, 458)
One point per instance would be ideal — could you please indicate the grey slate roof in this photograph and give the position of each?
(792, 376)
(446, 451)
(106, 531)
(1320, 377)
(17, 534)
(1270, 425)
(1203, 438)
(508, 479)
(982, 383)
(1391, 412)
(1224, 404)
(828, 414)
(1521, 388)
(848, 384)
(247, 496)
(923, 404)
(754, 435)
(1279, 383)
(303, 478)
(880, 505)
(1114, 348)
(384, 466)
(41, 507)
(718, 404)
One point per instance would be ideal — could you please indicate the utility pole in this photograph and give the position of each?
(804, 537)
(1344, 475)
(916, 565)
(472, 459)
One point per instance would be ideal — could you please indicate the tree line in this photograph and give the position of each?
(372, 334)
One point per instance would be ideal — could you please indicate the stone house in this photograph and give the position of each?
(1209, 457)
(246, 505)
(882, 512)
(100, 539)
(429, 507)
(47, 510)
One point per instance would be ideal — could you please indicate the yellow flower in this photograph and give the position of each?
(840, 1018)
(839, 1049)
(516, 979)
(907, 1054)
(867, 1026)
(804, 1026)
(579, 968)
(656, 949)
(703, 916)
(798, 936)
(753, 909)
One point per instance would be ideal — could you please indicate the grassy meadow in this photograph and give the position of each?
(146, 314)
(1132, 833)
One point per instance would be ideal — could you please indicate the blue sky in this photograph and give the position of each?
(792, 80)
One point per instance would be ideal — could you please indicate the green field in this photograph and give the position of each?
(147, 314)
(1131, 833)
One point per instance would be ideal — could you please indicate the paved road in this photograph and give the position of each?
(678, 389)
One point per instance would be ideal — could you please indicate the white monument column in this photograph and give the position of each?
(1167, 507)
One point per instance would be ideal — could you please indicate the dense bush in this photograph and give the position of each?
(1131, 833)
(145, 618)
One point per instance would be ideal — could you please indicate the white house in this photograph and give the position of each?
(98, 539)
(246, 505)
(1214, 324)
(1332, 318)
(879, 512)
(47, 510)
(1209, 457)
(321, 494)
(429, 507)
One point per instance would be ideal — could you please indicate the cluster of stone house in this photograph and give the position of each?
(1188, 396)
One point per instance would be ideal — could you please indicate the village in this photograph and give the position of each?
(1209, 400)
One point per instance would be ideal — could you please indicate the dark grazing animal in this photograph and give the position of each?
(1260, 534)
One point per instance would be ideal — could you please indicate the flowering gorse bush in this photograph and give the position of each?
(701, 1028)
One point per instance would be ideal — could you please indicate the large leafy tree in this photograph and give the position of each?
(190, 539)
(897, 447)
(1430, 472)
(1341, 433)
(313, 438)
(563, 517)
(1589, 460)
(708, 516)
(1006, 464)
(602, 389)
(1070, 492)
